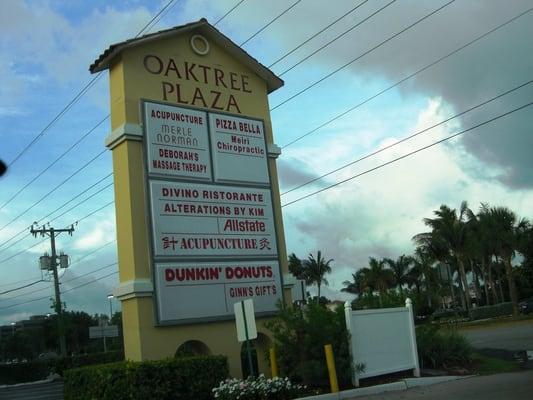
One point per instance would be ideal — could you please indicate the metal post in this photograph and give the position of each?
(273, 362)
(330, 361)
(248, 349)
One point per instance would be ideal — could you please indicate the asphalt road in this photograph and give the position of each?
(510, 336)
(515, 386)
(35, 391)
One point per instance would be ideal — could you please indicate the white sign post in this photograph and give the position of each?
(246, 329)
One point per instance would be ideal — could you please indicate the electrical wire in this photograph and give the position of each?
(316, 34)
(408, 137)
(66, 291)
(229, 12)
(482, 36)
(362, 55)
(271, 22)
(407, 155)
(21, 287)
(337, 37)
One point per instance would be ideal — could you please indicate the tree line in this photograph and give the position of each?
(463, 253)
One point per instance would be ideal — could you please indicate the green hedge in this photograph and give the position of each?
(62, 364)
(441, 347)
(40, 369)
(183, 378)
(496, 310)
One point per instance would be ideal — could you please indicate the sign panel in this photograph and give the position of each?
(96, 332)
(177, 142)
(209, 290)
(191, 220)
(239, 150)
(245, 320)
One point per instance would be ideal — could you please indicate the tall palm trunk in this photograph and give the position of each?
(465, 284)
(485, 280)
(512, 284)
(318, 297)
(492, 284)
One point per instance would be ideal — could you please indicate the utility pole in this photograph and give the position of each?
(50, 263)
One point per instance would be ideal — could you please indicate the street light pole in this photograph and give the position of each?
(12, 329)
(110, 297)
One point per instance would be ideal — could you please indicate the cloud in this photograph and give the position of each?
(378, 213)
(100, 233)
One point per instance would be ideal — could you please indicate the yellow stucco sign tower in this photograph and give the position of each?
(198, 212)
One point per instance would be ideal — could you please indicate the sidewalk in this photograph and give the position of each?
(516, 386)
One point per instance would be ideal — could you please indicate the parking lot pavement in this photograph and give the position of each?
(33, 391)
(513, 336)
(516, 386)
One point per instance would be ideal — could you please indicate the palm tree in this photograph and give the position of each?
(377, 277)
(507, 231)
(358, 285)
(400, 270)
(423, 263)
(316, 269)
(452, 230)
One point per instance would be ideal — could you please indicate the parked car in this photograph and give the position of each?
(526, 306)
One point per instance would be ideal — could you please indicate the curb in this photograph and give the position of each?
(49, 379)
(388, 387)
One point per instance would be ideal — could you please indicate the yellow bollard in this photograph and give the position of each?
(331, 369)
(273, 362)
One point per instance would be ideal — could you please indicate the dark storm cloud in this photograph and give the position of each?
(293, 172)
(494, 64)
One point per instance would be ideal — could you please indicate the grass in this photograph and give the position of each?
(495, 322)
(485, 365)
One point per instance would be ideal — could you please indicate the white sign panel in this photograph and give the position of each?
(245, 320)
(188, 291)
(101, 331)
(177, 142)
(191, 220)
(238, 148)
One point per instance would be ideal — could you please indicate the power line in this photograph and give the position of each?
(69, 280)
(229, 12)
(79, 220)
(408, 77)
(75, 144)
(317, 33)
(337, 37)
(271, 22)
(66, 291)
(2, 249)
(407, 154)
(408, 137)
(55, 188)
(76, 98)
(362, 55)
(21, 287)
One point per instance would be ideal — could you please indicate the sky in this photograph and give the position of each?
(386, 77)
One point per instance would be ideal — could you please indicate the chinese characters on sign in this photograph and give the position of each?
(192, 158)
(208, 220)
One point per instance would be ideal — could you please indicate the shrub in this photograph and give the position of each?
(183, 378)
(258, 389)
(442, 348)
(300, 336)
(496, 310)
(60, 365)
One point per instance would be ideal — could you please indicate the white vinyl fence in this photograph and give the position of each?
(383, 340)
